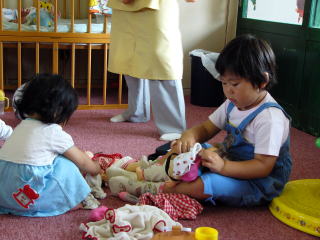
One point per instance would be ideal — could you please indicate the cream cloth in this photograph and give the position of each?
(129, 222)
(147, 43)
(134, 6)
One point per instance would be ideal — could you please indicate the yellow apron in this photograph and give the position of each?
(146, 40)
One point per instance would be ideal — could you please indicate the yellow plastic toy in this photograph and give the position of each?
(299, 205)
(201, 233)
(4, 102)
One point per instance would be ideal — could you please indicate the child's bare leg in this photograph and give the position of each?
(193, 189)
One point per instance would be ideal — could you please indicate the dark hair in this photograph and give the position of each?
(248, 57)
(49, 96)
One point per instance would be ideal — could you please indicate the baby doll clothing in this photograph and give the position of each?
(155, 172)
(5, 130)
(238, 192)
(185, 165)
(125, 184)
(35, 143)
(128, 222)
(41, 191)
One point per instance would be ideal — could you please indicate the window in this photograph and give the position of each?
(315, 14)
(282, 11)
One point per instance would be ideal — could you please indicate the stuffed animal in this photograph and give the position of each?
(99, 7)
(47, 6)
(46, 19)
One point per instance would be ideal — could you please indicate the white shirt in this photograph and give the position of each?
(5, 130)
(267, 131)
(35, 143)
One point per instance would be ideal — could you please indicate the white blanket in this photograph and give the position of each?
(64, 25)
(129, 222)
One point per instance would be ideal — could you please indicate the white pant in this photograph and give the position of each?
(167, 102)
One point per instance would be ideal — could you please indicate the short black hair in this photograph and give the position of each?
(248, 57)
(49, 96)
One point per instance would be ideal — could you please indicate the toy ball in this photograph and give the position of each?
(318, 142)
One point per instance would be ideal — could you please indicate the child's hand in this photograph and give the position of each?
(182, 145)
(212, 160)
(98, 167)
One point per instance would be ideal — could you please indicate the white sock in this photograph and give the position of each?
(90, 202)
(170, 136)
(118, 118)
(95, 183)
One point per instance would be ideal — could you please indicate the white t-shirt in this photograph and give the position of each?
(267, 131)
(35, 143)
(5, 130)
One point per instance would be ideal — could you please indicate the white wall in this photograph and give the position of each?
(206, 24)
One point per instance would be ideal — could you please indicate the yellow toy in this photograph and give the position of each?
(94, 6)
(299, 205)
(201, 233)
(4, 102)
(99, 7)
(47, 6)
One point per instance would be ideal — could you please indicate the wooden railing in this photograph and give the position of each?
(57, 41)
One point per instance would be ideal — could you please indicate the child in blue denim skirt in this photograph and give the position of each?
(39, 164)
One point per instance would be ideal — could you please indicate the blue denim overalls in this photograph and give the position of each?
(247, 192)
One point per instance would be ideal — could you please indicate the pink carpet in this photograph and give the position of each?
(93, 131)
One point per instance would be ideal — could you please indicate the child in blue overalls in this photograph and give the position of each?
(256, 163)
(253, 163)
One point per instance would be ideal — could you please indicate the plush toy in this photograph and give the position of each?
(99, 7)
(47, 6)
(46, 19)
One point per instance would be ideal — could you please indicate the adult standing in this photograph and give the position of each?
(146, 48)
